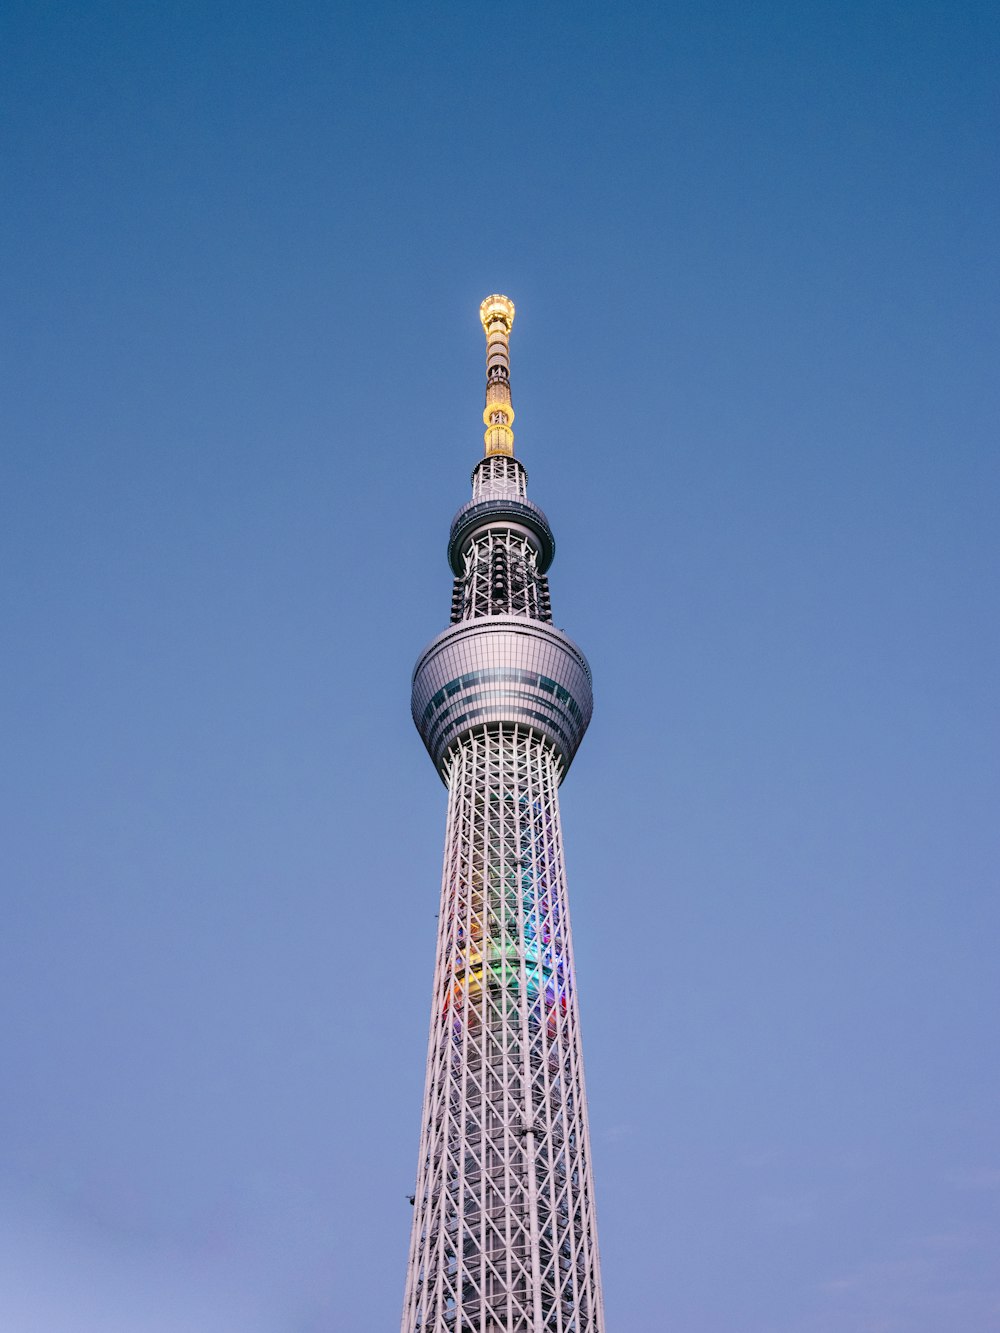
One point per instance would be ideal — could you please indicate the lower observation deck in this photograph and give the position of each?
(502, 669)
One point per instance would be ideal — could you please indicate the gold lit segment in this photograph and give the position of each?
(497, 316)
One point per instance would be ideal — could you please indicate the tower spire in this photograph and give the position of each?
(497, 316)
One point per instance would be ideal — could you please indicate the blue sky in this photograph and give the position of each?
(753, 253)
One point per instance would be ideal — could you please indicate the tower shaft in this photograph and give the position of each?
(504, 1234)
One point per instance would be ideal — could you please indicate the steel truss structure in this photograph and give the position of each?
(504, 1234)
(500, 577)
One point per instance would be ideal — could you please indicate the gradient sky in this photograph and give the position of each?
(753, 251)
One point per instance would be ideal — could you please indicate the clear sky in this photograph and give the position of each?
(753, 250)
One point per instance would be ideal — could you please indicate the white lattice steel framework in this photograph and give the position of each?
(504, 1235)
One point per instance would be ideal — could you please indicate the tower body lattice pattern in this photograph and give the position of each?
(504, 1236)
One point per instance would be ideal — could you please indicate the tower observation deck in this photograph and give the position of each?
(504, 1233)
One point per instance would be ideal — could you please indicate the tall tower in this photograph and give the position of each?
(504, 1233)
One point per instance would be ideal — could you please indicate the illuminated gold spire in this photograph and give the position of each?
(497, 315)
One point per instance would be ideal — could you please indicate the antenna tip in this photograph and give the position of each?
(497, 307)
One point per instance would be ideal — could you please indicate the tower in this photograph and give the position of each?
(504, 1235)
